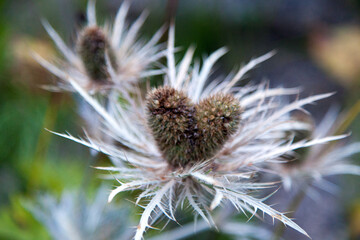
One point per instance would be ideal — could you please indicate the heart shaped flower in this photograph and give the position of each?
(187, 124)
(186, 132)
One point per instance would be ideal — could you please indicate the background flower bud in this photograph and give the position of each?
(93, 46)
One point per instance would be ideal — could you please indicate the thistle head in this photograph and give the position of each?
(93, 46)
(186, 132)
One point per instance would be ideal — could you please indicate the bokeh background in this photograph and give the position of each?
(318, 49)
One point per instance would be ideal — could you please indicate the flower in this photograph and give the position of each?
(74, 217)
(164, 146)
(106, 57)
(320, 161)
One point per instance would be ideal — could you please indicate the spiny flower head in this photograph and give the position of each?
(186, 132)
(198, 143)
(106, 57)
(73, 216)
(320, 161)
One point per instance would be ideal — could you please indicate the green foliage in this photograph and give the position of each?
(16, 223)
(54, 176)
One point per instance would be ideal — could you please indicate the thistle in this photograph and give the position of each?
(73, 216)
(186, 132)
(321, 160)
(93, 47)
(106, 57)
(186, 145)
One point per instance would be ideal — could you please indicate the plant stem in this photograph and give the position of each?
(348, 118)
(43, 142)
(292, 207)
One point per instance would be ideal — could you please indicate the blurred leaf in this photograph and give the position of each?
(16, 223)
(348, 118)
(355, 221)
(338, 51)
(57, 174)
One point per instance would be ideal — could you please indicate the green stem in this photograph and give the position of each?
(43, 143)
(170, 14)
(349, 118)
(292, 208)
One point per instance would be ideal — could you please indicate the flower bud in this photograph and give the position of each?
(93, 46)
(218, 117)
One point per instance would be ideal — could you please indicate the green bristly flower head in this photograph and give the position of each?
(186, 132)
(93, 46)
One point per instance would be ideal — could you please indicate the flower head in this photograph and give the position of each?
(74, 217)
(198, 143)
(320, 161)
(186, 132)
(106, 57)
(93, 46)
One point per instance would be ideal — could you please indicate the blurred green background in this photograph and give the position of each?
(318, 48)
